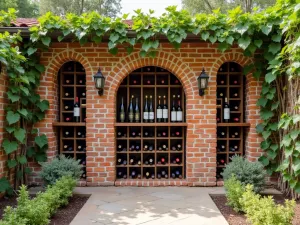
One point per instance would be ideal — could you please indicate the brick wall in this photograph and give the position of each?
(186, 64)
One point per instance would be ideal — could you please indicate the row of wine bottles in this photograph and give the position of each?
(222, 148)
(148, 161)
(149, 134)
(221, 80)
(134, 174)
(162, 112)
(80, 148)
(232, 134)
(231, 95)
(69, 81)
(70, 94)
(149, 80)
(149, 147)
(70, 133)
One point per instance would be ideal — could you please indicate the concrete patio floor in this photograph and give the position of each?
(149, 205)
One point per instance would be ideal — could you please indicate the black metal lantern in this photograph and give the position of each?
(99, 82)
(202, 82)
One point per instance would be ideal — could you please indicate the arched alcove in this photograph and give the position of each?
(150, 127)
(230, 113)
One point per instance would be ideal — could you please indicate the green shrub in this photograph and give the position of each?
(264, 211)
(37, 211)
(59, 167)
(246, 172)
(234, 190)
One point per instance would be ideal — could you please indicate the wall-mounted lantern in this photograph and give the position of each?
(202, 82)
(99, 82)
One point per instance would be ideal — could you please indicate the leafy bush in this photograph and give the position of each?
(37, 211)
(264, 211)
(246, 172)
(59, 167)
(234, 190)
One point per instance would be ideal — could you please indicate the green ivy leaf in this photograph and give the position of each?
(296, 118)
(10, 129)
(41, 141)
(275, 105)
(266, 114)
(229, 40)
(274, 147)
(266, 134)
(297, 187)
(12, 117)
(270, 77)
(274, 48)
(97, 39)
(294, 134)
(264, 160)
(31, 50)
(30, 151)
(13, 98)
(204, 35)
(27, 170)
(244, 42)
(223, 46)
(258, 43)
(43, 105)
(60, 38)
(266, 29)
(262, 102)
(272, 155)
(273, 126)
(114, 51)
(23, 112)
(19, 134)
(25, 90)
(114, 37)
(212, 39)
(4, 185)
(22, 159)
(40, 68)
(286, 140)
(9, 147)
(129, 50)
(265, 145)
(276, 37)
(40, 157)
(46, 40)
(259, 128)
(146, 46)
(11, 163)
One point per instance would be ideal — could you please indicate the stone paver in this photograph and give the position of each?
(149, 206)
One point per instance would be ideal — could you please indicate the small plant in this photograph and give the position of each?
(234, 190)
(246, 172)
(59, 167)
(37, 211)
(264, 211)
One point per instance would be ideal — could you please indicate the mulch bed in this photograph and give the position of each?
(63, 216)
(234, 218)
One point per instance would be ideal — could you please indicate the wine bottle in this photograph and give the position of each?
(133, 174)
(83, 94)
(81, 81)
(164, 147)
(130, 110)
(132, 147)
(68, 81)
(162, 81)
(235, 82)
(83, 175)
(68, 107)
(173, 111)
(137, 147)
(79, 148)
(119, 134)
(221, 162)
(76, 111)
(147, 175)
(125, 176)
(151, 148)
(164, 134)
(146, 134)
(159, 111)
(218, 120)
(152, 176)
(146, 147)
(222, 134)
(66, 147)
(164, 174)
(163, 160)
(158, 176)
(236, 119)
(133, 134)
(233, 148)
(139, 162)
(226, 111)
(178, 147)
(146, 111)
(124, 162)
(119, 161)
(132, 161)
(235, 134)
(176, 160)
(120, 148)
(178, 174)
(173, 148)
(83, 162)
(177, 133)
(151, 112)
(179, 111)
(66, 133)
(165, 110)
(122, 112)
(173, 175)
(68, 119)
(137, 114)
(120, 174)
(158, 134)
(151, 161)
(236, 108)
(68, 94)
(222, 82)
(81, 134)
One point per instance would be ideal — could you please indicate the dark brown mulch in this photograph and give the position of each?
(234, 218)
(63, 216)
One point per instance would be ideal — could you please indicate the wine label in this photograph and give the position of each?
(159, 113)
(146, 115)
(226, 113)
(122, 117)
(179, 116)
(76, 111)
(151, 115)
(165, 113)
(130, 116)
(137, 116)
(173, 116)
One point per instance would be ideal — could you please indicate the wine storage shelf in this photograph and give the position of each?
(230, 135)
(150, 150)
(72, 134)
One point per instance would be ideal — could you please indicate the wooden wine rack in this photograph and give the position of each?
(148, 81)
(73, 72)
(230, 82)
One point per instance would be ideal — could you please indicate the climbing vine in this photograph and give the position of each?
(273, 33)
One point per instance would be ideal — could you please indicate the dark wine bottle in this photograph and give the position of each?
(137, 147)
(119, 161)
(130, 110)
(159, 111)
(133, 174)
(151, 161)
(137, 114)
(133, 134)
(147, 175)
(68, 119)
(67, 133)
(124, 162)
(179, 111)
(179, 147)
(165, 110)
(146, 111)
(235, 134)
(178, 174)
(151, 111)
(158, 176)
(120, 148)
(173, 111)
(120, 174)
(122, 112)
(132, 161)
(76, 112)
(173, 175)
(68, 94)
(236, 119)
(221, 95)
(226, 111)
(151, 148)
(68, 107)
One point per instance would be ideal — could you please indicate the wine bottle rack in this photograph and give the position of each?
(72, 135)
(163, 143)
(230, 135)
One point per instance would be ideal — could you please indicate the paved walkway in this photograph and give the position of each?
(149, 206)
